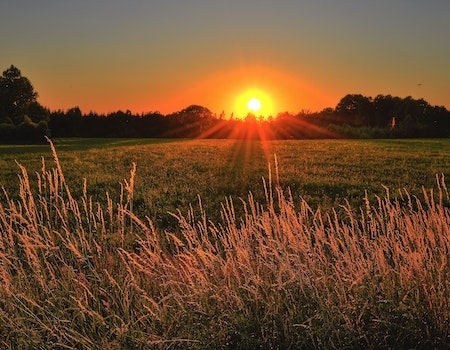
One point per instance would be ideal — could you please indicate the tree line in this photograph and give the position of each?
(22, 118)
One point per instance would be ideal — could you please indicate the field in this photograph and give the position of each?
(225, 244)
(171, 174)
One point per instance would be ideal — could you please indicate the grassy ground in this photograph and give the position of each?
(81, 274)
(171, 174)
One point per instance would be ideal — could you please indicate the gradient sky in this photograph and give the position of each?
(163, 55)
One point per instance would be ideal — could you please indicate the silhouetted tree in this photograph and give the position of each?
(197, 111)
(191, 121)
(16, 95)
(21, 116)
(74, 112)
(386, 107)
(355, 116)
(357, 106)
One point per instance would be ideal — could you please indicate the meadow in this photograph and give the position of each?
(172, 174)
(116, 243)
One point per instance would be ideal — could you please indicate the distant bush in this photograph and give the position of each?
(8, 131)
(352, 132)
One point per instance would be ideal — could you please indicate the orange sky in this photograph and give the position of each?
(229, 91)
(106, 55)
(225, 90)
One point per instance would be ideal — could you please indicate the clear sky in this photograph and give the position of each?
(163, 55)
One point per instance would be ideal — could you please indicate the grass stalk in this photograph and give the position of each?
(82, 274)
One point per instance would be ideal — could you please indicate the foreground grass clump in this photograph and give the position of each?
(82, 274)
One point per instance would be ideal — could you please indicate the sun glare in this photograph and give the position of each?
(254, 105)
(253, 101)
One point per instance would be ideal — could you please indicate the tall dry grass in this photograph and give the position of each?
(77, 274)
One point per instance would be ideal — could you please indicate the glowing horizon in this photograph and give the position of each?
(106, 56)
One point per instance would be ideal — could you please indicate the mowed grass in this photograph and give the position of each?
(171, 174)
(83, 269)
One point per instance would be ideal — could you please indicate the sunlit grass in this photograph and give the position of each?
(172, 173)
(81, 273)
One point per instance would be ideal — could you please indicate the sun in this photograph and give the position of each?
(254, 104)
(254, 101)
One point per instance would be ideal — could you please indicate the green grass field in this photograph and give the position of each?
(171, 174)
(301, 260)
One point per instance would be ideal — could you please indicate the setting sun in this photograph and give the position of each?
(254, 101)
(254, 105)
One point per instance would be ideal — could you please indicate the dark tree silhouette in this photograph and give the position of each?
(357, 106)
(386, 107)
(355, 116)
(21, 116)
(16, 94)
